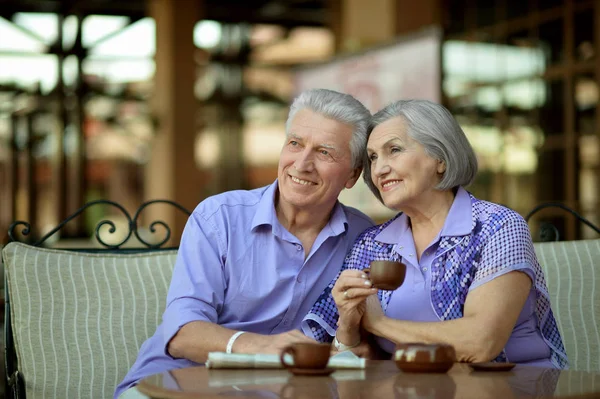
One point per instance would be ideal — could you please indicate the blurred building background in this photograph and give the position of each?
(134, 100)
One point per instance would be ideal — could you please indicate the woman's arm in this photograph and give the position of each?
(490, 313)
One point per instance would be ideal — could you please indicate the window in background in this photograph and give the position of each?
(528, 100)
(83, 114)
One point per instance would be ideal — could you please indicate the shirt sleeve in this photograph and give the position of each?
(197, 287)
(509, 248)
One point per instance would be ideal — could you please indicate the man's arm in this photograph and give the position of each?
(196, 297)
(196, 339)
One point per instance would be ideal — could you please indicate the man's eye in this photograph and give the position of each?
(294, 143)
(324, 152)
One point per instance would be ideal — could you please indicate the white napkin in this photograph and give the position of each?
(222, 360)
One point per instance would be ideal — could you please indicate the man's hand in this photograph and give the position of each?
(256, 343)
(196, 339)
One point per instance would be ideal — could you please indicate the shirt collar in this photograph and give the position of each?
(265, 212)
(459, 221)
(266, 215)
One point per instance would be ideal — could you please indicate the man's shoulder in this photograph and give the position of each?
(355, 214)
(230, 202)
(357, 220)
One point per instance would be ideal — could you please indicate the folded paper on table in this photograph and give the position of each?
(222, 360)
(228, 377)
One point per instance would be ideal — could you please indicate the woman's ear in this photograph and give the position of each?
(441, 166)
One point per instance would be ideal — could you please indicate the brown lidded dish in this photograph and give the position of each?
(424, 358)
(386, 274)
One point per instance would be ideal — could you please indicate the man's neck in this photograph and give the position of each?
(302, 222)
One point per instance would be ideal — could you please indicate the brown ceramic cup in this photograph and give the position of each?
(386, 274)
(306, 355)
(424, 358)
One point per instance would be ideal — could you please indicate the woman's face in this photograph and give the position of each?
(400, 169)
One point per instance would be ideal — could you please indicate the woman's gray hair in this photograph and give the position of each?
(340, 107)
(434, 127)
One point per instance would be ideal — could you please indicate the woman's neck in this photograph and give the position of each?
(428, 217)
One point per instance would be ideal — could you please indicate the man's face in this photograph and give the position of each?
(315, 163)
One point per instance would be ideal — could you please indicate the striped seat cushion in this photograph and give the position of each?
(572, 270)
(79, 319)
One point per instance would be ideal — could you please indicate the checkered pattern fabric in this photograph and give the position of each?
(499, 242)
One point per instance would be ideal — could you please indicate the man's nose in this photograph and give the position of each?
(304, 162)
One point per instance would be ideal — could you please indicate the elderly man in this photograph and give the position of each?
(252, 263)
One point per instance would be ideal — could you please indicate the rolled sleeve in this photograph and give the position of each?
(509, 249)
(198, 284)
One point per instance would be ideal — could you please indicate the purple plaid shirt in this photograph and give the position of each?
(495, 242)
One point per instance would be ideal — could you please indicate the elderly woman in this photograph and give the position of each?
(472, 279)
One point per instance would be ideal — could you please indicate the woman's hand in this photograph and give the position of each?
(373, 314)
(349, 293)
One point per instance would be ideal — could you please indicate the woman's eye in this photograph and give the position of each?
(395, 149)
(372, 157)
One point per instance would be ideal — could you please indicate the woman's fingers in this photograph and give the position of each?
(352, 273)
(358, 293)
(356, 279)
(355, 282)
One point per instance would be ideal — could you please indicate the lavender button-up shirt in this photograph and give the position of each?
(237, 266)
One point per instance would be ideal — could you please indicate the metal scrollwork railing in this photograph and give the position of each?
(132, 225)
(156, 222)
(548, 231)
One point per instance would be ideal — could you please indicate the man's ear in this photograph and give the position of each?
(353, 178)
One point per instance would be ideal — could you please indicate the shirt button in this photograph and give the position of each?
(410, 255)
(299, 279)
(298, 247)
(424, 269)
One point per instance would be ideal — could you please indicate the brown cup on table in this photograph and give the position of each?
(306, 355)
(386, 274)
(424, 358)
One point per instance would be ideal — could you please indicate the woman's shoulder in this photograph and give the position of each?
(491, 212)
(499, 221)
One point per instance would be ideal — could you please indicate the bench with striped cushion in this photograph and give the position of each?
(572, 270)
(79, 319)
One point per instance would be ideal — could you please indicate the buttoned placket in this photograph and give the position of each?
(298, 288)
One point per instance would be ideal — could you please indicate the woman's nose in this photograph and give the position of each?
(381, 168)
